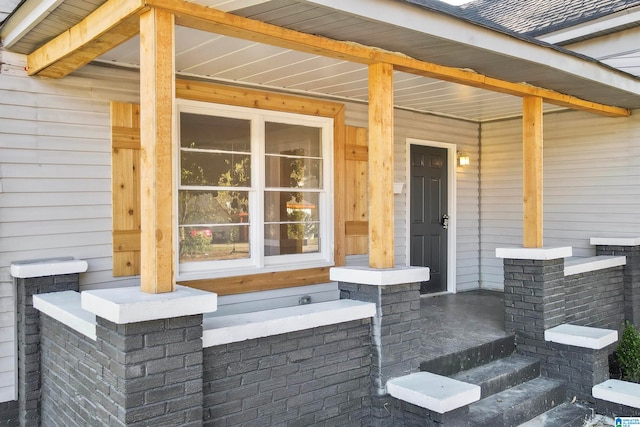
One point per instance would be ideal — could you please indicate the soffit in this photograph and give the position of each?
(205, 55)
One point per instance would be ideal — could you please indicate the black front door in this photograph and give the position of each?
(429, 219)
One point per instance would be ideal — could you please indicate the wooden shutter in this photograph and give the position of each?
(125, 188)
(356, 178)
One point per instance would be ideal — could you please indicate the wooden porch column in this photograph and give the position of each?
(532, 143)
(381, 239)
(156, 173)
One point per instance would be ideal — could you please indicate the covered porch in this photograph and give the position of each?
(237, 57)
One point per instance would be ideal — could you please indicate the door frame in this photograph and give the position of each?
(451, 205)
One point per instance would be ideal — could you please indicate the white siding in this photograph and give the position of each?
(431, 128)
(55, 173)
(591, 184)
(55, 195)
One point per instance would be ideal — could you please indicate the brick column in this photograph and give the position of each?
(149, 347)
(151, 371)
(630, 248)
(33, 278)
(396, 325)
(533, 295)
(580, 357)
(580, 368)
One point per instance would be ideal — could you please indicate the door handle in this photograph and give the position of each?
(445, 221)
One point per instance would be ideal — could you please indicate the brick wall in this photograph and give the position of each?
(147, 373)
(70, 395)
(580, 368)
(397, 328)
(534, 301)
(596, 299)
(318, 376)
(9, 414)
(631, 278)
(28, 337)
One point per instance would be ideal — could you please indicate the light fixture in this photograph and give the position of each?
(463, 159)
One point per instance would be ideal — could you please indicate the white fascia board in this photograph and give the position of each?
(30, 14)
(609, 22)
(447, 27)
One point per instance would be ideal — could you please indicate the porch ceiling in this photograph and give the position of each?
(204, 55)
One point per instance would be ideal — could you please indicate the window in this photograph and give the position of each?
(254, 191)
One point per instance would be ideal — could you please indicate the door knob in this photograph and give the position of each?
(445, 221)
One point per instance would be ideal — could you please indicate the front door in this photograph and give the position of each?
(429, 219)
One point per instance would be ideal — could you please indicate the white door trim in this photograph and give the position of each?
(451, 205)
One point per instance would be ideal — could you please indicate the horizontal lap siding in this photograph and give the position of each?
(431, 128)
(591, 184)
(55, 176)
(55, 181)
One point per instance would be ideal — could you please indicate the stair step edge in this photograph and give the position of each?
(565, 415)
(518, 404)
(453, 363)
(498, 375)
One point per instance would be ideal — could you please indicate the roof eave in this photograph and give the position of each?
(586, 30)
(444, 25)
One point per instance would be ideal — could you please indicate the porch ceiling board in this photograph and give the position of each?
(111, 24)
(321, 76)
(302, 17)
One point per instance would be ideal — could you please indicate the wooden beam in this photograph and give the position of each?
(253, 98)
(113, 23)
(215, 21)
(381, 238)
(156, 135)
(339, 188)
(532, 144)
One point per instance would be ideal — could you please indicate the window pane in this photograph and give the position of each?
(212, 207)
(286, 139)
(293, 172)
(215, 169)
(214, 133)
(294, 238)
(214, 243)
(280, 206)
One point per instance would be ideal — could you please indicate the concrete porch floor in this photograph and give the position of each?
(455, 322)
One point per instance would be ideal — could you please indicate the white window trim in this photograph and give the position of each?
(258, 263)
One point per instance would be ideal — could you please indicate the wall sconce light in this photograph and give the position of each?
(463, 159)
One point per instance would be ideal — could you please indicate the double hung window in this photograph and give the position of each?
(254, 190)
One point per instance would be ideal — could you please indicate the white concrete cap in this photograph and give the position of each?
(379, 276)
(47, 267)
(534, 253)
(65, 308)
(616, 391)
(433, 392)
(585, 265)
(128, 305)
(239, 327)
(581, 336)
(615, 241)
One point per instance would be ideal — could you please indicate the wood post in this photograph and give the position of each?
(156, 198)
(532, 143)
(381, 239)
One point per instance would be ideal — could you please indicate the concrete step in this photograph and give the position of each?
(518, 404)
(501, 374)
(565, 415)
(451, 364)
